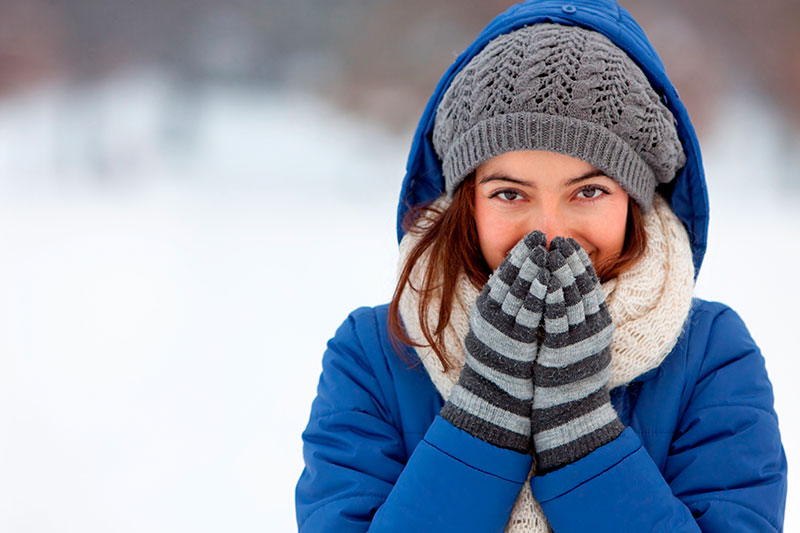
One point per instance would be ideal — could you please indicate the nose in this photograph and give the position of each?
(550, 221)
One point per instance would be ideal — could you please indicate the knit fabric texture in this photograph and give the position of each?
(572, 413)
(648, 303)
(563, 89)
(492, 399)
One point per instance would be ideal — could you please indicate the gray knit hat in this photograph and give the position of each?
(563, 89)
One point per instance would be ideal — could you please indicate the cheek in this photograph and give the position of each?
(497, 234)
(606, 238)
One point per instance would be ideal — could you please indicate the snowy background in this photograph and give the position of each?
(165, 302)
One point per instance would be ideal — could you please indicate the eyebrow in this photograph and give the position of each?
(498, 176)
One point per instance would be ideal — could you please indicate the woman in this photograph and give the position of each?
(556, 216)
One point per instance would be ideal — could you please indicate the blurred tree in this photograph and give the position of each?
(31, 40)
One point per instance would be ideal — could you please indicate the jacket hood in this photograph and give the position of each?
(687, 193)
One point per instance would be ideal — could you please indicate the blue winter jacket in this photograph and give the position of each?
(701, 452)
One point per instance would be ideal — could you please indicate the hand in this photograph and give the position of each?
(572, 412)
(492, 399)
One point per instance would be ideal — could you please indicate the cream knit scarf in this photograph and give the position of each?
(649, 304)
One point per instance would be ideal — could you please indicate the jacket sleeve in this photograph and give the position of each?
(357, 475)
(725, 471)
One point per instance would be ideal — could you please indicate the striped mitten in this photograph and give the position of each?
(572, 412)
(492, 399)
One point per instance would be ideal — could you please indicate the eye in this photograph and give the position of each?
(591, 192)
(507, 195)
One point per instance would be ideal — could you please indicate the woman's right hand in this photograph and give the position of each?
(492, 399)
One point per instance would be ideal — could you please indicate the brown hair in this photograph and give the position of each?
(450, 239)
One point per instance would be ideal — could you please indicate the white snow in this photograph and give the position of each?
(162, 327)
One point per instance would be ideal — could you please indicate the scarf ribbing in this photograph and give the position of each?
(648, 303)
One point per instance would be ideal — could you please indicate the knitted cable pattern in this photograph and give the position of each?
(649, 305)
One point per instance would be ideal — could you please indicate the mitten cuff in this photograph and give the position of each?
(557, 457)
(487, 422)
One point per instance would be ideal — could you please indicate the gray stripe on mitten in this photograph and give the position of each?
(492, 399)
(572, 413)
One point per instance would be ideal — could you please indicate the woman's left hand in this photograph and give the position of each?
(572, 413)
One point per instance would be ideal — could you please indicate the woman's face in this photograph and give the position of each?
(518, 192)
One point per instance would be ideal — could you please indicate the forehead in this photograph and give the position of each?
(535, 167)
(534, 162)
